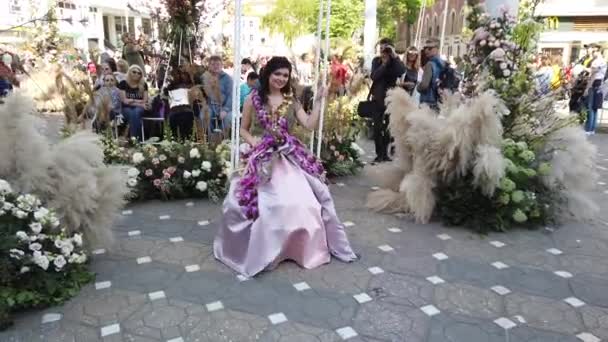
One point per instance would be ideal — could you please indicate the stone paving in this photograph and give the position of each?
(414, 283)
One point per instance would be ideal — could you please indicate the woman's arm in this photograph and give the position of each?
(124, 99)
(311, 121)
(248, 112)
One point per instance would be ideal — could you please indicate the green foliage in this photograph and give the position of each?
(347, 16)
(290, 18)
(391, 12)
(341, 156)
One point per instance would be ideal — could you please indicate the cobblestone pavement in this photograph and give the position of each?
(413, 283)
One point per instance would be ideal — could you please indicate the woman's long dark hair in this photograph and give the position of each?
(273, 65)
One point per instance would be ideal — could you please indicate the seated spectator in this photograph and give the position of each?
(134, 96)
(111, 90)
(121, 70)
(181, 114)
(246, 88)
(107, 68)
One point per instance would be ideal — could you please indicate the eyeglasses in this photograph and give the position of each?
(109, 80)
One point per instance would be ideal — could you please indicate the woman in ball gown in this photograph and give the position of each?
(278, 207)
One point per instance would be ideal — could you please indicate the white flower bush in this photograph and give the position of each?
(40, 244)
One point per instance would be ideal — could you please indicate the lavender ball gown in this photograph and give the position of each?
(295, 217)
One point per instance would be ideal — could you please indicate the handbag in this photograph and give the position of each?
(368, 108)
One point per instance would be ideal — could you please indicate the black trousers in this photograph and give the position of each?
(181, 124)
(382, 137)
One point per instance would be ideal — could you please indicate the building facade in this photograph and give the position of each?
(569, 28)
(88, 24)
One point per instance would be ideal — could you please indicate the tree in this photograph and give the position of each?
(394, 12)
(290, 18)
(346, 18)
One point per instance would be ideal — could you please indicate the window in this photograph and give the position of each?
(66, 4)
(146, 26)
(93, 9)
(453, 23)
(250, 37)
(251, 23)
(131, 25)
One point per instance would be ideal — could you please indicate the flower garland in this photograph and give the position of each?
(276, 139)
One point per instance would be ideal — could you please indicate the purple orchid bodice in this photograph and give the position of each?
(276, 141)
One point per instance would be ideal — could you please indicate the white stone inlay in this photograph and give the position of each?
(563, 274)
(99, 251)
(348, 224)
(375, 188)
(215, 306)
(501, 290)
(587, 337)
(193, 268)
(375, 270)
(340, 184)
(127, 212)
(51, 317)
(444, 237)
(505, 323)
(601, 183)
(386, 248)
(346, 333)
(440, 256)
(554, 251)
(190, 204)
(177, 339)
(164, 217)
(241, 278)
(497, 244)
(500, 265)
(103, 285)
(134, 233)
(277, 318)
(176, 239)
(395, 230)
(575, 302)
(203, 223)
(362, 298)
(430, 310)
(435, 280)
(110, 330)
(156, 295)
(301, 286)
(144, 260)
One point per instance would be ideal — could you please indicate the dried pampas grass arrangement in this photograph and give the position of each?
(69, 176)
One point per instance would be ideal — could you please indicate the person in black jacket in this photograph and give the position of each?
(386, 69)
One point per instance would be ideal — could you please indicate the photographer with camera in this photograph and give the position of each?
(386, 69)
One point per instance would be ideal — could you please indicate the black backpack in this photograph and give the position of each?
(448, 78)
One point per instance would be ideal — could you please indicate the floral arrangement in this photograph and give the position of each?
(341, 156)
(276, 138)
(549, 165)
(40, 263)
(173, 169)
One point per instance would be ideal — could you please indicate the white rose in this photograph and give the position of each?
(41, 213)
(21, 235)
(196, 173)
(187, 174)
(82, 258)
(7, 206)
(181, 159)
(41, 261)
(36, 227)
(244, 148)
(59, 243)
(138, 158)
(227, 164)
(20, 214)
(132, 182)
(33, 238)
(59, 262)
(77, 258)
(162, 157)
(194, 153)
(35, 246)
(5, 187)
(133, 172)
(16, 253)
(503, 65)
(24, 269)
(67, 248)
(206, 166)
(201, 186)
(506, 72)
(77, 238)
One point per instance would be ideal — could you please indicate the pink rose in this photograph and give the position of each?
(157, 182)
(336, 153)
(155, 161)
(332, 147)
(171, 169)
(166, 175)
(149, 173)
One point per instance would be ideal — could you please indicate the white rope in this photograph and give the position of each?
(190, 49)
(317, 66)
(445, 19)
(168, 66)
(179, 52)
(236, 89)
(325, 71)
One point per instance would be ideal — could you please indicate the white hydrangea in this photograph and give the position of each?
(5, 187)
(21, 235)
(16, 253)
(194, 153)
(196, 173)
(76, 258)
(24, 269)
(137, 158)
(7, 206)
(187, 174)
(206, 166)
(77, 238)
(36, 227)
(67, 248)
(18, 213)
(201, 186)
(133, 172)
(59, 243)
(41, 213)
(59, 262)
(181, 159)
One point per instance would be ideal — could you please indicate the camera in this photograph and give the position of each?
(388, 49)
